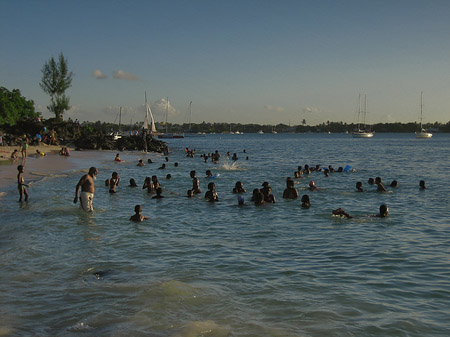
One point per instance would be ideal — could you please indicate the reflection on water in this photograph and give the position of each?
(202, 269)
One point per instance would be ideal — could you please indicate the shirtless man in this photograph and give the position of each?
(290, 192)
(86, 184)
(195, 183)
(211, 195)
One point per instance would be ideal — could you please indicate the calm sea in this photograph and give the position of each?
(203, 269)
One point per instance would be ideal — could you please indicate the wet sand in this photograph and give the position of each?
(35, 166)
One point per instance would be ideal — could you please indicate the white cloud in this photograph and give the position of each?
(278, 109)
(98, 74)
(308, 110)
(159, 108)
(122, 75)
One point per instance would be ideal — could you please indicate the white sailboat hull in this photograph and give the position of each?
(423, 134)
(362, 134)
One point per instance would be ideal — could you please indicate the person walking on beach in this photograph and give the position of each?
(25, 148)
(87, 186)
(21, 183)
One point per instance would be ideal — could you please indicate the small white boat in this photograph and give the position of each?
(260, 132)
(422, 133)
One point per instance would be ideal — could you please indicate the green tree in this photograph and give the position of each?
(13, 106)
(56, 79)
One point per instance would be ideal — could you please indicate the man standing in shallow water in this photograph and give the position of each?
(87, 190)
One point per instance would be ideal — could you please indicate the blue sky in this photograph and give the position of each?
(264, 62)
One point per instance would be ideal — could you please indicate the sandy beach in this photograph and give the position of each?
(34, 165)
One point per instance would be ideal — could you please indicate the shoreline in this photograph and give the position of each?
(34, 165)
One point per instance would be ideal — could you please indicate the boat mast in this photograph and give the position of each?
(421, 109)
(359, 113)
(365, 111)
(190, 114)
(120, 116)
(167, 111)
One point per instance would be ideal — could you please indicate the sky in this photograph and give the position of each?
(246, 61)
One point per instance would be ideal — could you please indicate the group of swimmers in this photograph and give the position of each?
(259, 196)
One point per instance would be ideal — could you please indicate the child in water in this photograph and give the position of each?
(21, 184)
(138, 217)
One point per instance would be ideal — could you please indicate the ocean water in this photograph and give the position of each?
(217, 269)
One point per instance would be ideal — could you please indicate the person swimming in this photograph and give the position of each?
(239, 188)
(341, 213)
(117, 158)
(211, 195)
(290, 192)
(394, 183)
(258, 198)
(305, 201)
(384, 211)
(422, 185)
(208, 174)
(312, 186)
(138, 217)
(359, 187)
(195, 183)
(114, 182)
(267, 192)
(241, 200)
(380, 186)
(140, 163)
(158, 194)
(371, 181)
(132, 183)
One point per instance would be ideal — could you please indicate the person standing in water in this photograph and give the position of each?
(21, 184)
(87, 186)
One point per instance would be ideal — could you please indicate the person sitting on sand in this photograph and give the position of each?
(211, 195)
(140, 163)
(132, 183)
(195, 183)
(138, 217)
(117, 158)
(380, 186)
(15, 155)
(158, 194)
(21, 183)
(305, 201)
(312, 186)
(40, 153)
(341, 213)
(359, 187)
(290, 192)
(239, 188)
(422, 185)
(114, 182)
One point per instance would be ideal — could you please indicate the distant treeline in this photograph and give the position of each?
(333, 127)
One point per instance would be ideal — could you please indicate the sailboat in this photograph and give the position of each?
(116, 134)
(190, 133)
(149, 119)
(422, 133)
(168, 135)
(361, 132)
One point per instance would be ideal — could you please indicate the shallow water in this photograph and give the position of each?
(201, 269)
